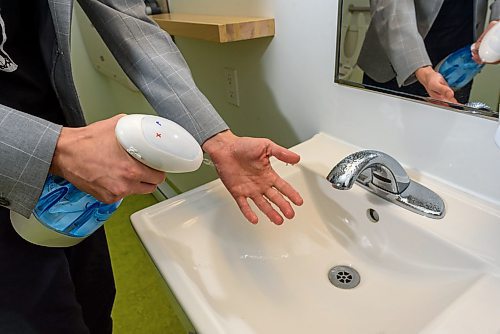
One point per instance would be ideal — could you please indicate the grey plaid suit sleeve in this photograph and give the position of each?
(154, 64)
(27, 144)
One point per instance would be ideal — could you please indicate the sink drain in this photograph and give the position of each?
(344, 277)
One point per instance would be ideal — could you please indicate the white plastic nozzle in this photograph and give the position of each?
(489, 49)
(159, 143)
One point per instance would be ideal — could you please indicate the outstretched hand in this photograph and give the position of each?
(244, 167)
(435, 85)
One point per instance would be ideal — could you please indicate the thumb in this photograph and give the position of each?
(449, 94)
(117, 117)
(284, 154)
(445, 91)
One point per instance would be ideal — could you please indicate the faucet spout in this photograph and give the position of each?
(378, 167)
(382, 175)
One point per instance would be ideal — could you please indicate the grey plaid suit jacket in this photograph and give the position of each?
(146, 54)
(394, 43)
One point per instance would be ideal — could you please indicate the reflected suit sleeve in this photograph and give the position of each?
(396, 25)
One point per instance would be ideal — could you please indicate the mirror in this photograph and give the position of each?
(362, 60)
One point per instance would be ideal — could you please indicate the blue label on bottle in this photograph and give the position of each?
(458, 69)
(68, 210)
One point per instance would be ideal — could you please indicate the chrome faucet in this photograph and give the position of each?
(382, 175)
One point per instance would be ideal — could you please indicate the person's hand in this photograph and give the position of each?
(91, 159)
(435, 85)
(475, 47)
(243, 166)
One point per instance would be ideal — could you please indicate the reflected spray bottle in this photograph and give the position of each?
(64, 215)
(458, 68)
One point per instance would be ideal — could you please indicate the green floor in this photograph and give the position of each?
(143, 303)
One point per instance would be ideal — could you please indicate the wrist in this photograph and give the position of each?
(423, 73)
(219, 141)
(65, 142)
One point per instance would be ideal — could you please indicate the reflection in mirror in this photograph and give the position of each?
(398, 47)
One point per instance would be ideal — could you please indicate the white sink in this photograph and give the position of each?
(418, 275)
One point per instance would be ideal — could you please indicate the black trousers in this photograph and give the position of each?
(54, 290)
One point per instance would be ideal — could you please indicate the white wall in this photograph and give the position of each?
(287, 94)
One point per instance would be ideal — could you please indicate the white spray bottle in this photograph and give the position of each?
(64, 215)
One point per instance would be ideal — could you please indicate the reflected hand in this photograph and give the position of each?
(475, 47)
(91, 159)
(243, 166)
(435, 85)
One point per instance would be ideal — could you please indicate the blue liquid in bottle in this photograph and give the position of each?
(66, 209)
(458, 68)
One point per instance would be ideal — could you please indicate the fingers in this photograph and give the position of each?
(439, 89)
(474, 50)
(247, 210)
(144, 188)
(151, 176)
(262, 202)
(147, 182)
(246, 172)
(275, 197)
(137, 179)
(290, 157)
(286, 189)
(117, 117)
(135, 172)
(116, 192)
(283, 154)
(448, 94)
(265, 207)
(268, 210)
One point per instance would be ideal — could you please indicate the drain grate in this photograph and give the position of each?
(344, 277)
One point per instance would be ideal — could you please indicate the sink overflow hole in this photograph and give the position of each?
(372, 215)
(344, 277)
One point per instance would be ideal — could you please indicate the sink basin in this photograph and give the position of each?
(417, 275)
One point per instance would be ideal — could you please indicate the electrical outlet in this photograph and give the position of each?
(231, 85)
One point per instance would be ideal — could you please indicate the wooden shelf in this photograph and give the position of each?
(219, 29)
